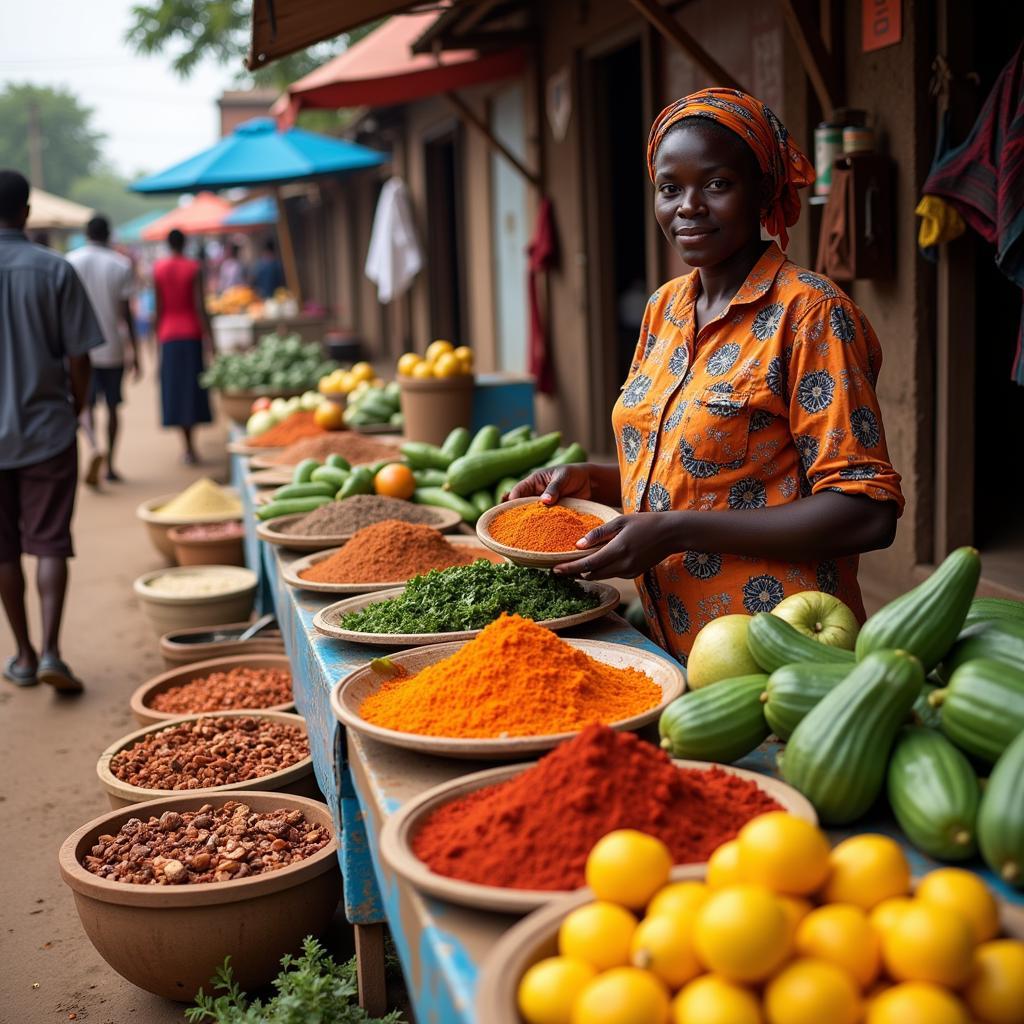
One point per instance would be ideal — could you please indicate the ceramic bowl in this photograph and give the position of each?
(227, 550)
(181, 611)
(158, 528)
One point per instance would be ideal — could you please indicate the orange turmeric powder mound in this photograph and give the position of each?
(515, 679)
(540, 527)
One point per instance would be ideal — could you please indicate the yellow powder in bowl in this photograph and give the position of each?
(203, 498)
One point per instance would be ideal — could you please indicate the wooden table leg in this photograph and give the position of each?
(370, 968)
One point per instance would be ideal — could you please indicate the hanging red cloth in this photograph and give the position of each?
(542, 251)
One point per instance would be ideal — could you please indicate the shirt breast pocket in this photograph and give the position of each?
(717, 427)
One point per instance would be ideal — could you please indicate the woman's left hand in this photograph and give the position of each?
(630, 545)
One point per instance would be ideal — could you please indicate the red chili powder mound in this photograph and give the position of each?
(535, 831)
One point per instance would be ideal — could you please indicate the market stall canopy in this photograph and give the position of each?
(252, 213)
(204, 215)
(47, 211)
(280, 27)
(382, 70)
(131, 231)
(256, 153)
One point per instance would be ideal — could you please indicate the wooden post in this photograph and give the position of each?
(284, 237)
(817, 61)
(373, 996)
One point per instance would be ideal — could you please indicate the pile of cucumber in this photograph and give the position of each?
(468, 474)
(930, 701)
(373, 407)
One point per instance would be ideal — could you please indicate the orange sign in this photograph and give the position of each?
(881, 23)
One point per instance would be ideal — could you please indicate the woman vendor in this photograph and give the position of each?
(752, 461)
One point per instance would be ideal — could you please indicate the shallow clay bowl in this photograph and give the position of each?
(227, 550)
(349, 693)
(536, 937)
(292, 573)
(540, 559)
(272, 531)
(327, 620)
(158, 528)
(261, 460)
(178, 651)
(145, 715)
(170, 939)
(297, 779)
(179, 611)
(237, 405)
(400, 830)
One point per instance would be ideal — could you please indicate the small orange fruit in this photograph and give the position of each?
(328, 415)
(395, 481)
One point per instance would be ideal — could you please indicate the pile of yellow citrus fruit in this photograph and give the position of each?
(442, 359)
(345, 382)
(783, 930)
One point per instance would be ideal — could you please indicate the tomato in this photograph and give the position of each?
(263, 402)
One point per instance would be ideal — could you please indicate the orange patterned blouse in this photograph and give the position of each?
(772, 401)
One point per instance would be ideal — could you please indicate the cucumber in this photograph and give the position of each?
(574, 453)
(837, 755)
(440, 498)
(429, 477)
(456, 443)
(504, 487)
(484, 440)
(1002, 640)
(516, 436)
(791, 692)
(1001, 816)
(376, 467)
(331, 475)
(994, 609)
(723, 722)
(425, 456)
(396, 420)
(926, 620)
(310, 490)
(485, 469)
(289, 506)
(338, 462)
(773, 642)
(359, 482)
(483, 500)
(934, 794)
(982, 707)
(304, 471)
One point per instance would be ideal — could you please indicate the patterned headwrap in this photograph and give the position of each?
(777, 155)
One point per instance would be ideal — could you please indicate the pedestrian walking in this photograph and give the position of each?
(47, 329)
(267, 272)
(182, 329)
(108, 277)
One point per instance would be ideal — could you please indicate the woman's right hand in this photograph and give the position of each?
(555, 483)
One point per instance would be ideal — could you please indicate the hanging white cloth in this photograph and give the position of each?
(394, 258)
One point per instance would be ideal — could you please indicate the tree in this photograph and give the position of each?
(68, 146)
(220, 29)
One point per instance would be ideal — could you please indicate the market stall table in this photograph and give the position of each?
(441, 946)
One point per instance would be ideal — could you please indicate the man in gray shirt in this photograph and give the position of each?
(47, 328)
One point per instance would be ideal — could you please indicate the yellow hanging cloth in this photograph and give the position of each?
(940, 222)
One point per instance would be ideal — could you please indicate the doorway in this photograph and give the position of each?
(445, 247)
(615, 192)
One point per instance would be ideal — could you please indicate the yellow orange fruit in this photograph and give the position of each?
(438, 348)
(407, 361)
(885, 914)
(328, 415)
(664, 946)
(678, 899)
(964, 891)
(929, 943)
(786, 854)
(362, 371)
(812, 992)
(724, 866)
(464, 354)
(842, 934)
(623, 995)
(447, 365)
(866, 869)
(916, 1003)
(395, 481)
(598, 933)
(549, 988)
(796, 910)
(742, 933)
(628, 867)
(995, 992)
(422, 371)
(713, 1000)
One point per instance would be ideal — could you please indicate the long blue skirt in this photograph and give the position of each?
(183, 401)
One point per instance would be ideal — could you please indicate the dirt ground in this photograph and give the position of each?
(50, 745)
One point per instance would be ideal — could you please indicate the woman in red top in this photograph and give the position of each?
(752, 457)
(181, 328)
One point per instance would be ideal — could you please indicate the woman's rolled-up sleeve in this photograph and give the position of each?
(833, 409)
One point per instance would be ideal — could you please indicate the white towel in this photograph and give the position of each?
(394, 258)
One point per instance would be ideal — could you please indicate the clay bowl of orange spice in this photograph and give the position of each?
(528, 532)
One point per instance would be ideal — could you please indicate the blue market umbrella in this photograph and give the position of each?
(252, 213)
(256, 153)
(131, 231)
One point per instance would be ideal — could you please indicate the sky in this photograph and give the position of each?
(151, 117)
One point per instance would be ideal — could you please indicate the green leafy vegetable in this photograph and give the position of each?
(287, 363)
(311, 989)
(471, 597)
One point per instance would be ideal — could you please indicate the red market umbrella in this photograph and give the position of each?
(204, 215)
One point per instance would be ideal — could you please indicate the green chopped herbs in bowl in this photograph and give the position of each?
(471, 597)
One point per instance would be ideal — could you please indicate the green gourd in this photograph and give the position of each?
(1001, 640)
(1001, 816)
(484, 469)
(837, 755)
(457, 442)
(791, 692)
(438, 497)
(484, 440)
(994, 609)
(773, 642)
